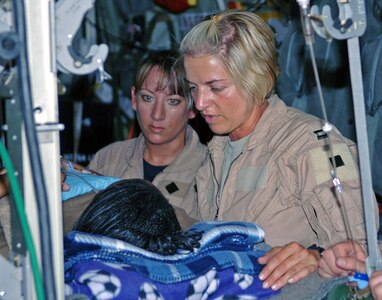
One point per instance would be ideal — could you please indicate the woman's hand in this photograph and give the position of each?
(342, 259)
(375, 283)
(287, 264)
(64, 186)
(68, 165)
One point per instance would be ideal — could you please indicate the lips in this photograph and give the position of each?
(210, 118)
(156, 129)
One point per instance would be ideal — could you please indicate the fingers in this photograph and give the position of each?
(68, 165)
(351, 264)
(375, 283)
(324, 268)
(64, 186)
(327, 266)
(71, 166)
(271, 253)
(349, 249)
(286, 264)
(79, 168)
(342, 259)
(342, 266)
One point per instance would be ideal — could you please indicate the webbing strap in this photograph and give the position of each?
(363, 149)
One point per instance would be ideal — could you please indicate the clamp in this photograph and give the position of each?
(69, 15)
(350, 23)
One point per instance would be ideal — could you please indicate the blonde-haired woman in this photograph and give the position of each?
(268, 163)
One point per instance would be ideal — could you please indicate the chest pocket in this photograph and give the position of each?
(251, 178)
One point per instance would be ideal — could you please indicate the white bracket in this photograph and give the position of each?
(69, 16)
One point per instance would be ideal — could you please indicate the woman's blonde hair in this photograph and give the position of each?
(246, 47)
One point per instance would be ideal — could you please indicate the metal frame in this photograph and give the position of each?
(40, 43)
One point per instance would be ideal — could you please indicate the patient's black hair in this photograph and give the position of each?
(135, 211)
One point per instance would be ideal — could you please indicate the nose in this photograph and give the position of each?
(158, 112)
(201, 100)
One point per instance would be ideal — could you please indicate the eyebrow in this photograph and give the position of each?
(141, 90)
(207, 82)
(214, 80)
(153, 92)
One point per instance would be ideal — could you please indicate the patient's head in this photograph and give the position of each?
(135, 211)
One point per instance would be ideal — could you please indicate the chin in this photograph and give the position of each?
(156, 141)
(218, 130)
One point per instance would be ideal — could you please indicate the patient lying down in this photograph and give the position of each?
(135, 211)
(128, 244)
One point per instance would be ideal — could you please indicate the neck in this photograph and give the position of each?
(254, 117)
(163, 155)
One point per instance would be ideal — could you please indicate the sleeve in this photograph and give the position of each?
(111, 159)
(185, 221)
(334, 216)
(102, 160)
(94, 163)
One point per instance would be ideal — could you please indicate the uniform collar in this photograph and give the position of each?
(264, 128)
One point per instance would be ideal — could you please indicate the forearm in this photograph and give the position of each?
(4, 184)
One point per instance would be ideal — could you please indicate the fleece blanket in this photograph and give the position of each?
(223, 267)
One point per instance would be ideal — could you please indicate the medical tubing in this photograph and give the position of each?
(323, 107)
(317, 79)
(336, 181)
(19, 203)
(92, 187)
(47, 261)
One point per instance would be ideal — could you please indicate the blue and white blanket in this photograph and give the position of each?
(224, 267)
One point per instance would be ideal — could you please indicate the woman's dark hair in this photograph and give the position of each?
(135, 211)
(171, 76)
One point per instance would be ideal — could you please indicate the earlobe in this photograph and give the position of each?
(133, 98)
(191, 114)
